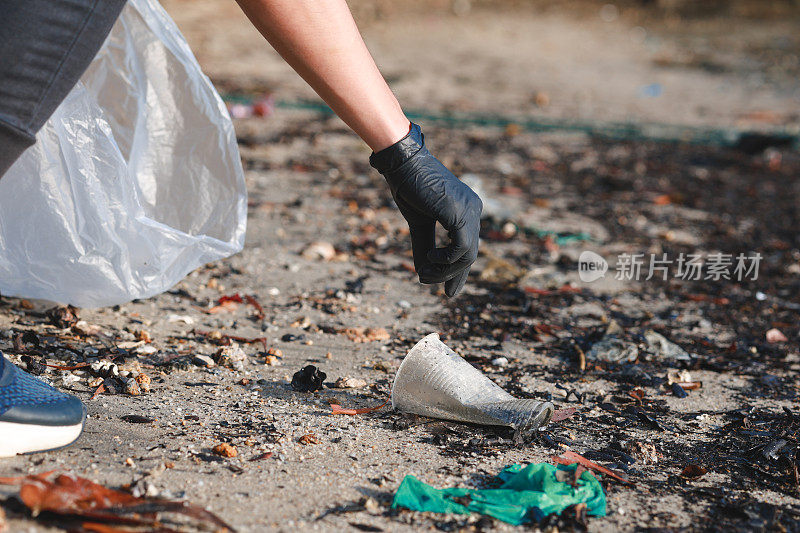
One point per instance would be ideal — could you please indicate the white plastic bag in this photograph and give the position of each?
(134, 182)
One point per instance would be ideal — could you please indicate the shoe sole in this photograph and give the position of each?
(28, 438)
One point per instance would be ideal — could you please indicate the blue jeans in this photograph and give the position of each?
(45, 46)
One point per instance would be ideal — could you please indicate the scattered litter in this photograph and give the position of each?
(525, 494)
(434, 381)
(84, 505)
(613, 348)
(308, 379)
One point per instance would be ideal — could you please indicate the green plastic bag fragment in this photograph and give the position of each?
(526, 494)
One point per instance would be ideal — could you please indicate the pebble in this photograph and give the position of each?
(203, 360)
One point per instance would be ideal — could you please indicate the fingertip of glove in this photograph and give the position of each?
(455, 285)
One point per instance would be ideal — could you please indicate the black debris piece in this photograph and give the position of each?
(308, 379)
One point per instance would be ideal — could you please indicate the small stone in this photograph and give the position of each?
(644, 452)
(775, 335)
(104, 368)
(81, 327)
(350, 383)
(678, 376)
(68, 378)
(319, 250)
(231, 357)
(132, 387)
(500, 361)
(144, 382)
(308, 439)
(203, 360)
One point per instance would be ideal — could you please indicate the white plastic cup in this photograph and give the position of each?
(435, 381)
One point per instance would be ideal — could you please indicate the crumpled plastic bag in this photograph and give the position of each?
(134, 181)
(526, 494)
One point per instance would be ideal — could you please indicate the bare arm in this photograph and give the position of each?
(320, 40)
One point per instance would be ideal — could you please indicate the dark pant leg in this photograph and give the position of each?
(45, 46)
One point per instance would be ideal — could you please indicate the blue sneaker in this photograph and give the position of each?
(35, 417)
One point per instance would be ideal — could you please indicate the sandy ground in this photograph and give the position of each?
(309, 181)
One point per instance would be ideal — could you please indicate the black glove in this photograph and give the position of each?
(426, 192)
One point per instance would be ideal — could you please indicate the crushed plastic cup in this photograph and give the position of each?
(436, 382)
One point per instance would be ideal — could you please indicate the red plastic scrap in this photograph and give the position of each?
(230, 302)
(569, 457)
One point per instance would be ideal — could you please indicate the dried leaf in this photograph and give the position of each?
(73, 496)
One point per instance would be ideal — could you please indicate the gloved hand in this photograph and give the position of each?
(426, 193)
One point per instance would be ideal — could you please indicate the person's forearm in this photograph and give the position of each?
(320, 40)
